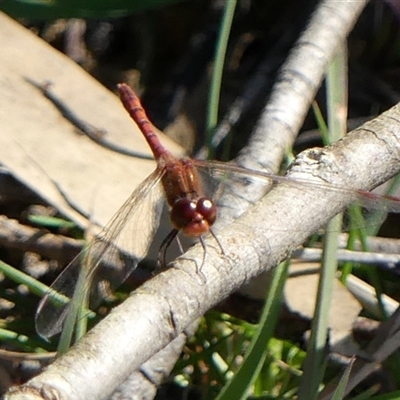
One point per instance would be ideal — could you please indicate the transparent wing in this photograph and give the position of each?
(227, 178)
(108, 258)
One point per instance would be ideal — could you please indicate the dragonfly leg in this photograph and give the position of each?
(218, 242)
(203, 245)
(162, 253)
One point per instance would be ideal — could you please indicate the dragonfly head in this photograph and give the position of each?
(194, 217)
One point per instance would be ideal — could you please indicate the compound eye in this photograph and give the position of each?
(182, 212)
(207, 209)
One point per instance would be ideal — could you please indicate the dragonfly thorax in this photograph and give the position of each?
(193, 217)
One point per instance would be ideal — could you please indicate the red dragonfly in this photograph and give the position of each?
(192, 212)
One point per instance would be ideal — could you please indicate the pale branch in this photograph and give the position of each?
(297, 83)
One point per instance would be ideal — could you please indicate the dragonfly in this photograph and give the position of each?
(111, 256)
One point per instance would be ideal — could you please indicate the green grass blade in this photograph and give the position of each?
(54, 9)
(21, 341)
(219, 62)
(33, 284)
(315, 362)
(314, 365)
(341, 387)
(238, 386)
(51, 222)
(77, 316)
(41, 289)
(390, 396)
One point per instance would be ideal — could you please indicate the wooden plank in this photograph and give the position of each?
(44, 150)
